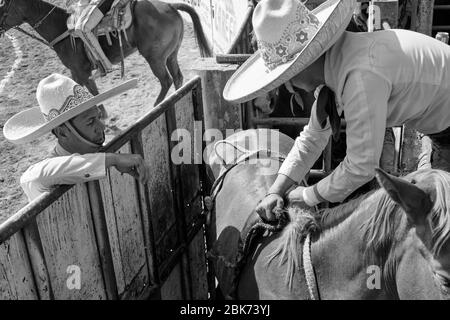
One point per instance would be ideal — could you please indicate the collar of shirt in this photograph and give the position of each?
(59, 151)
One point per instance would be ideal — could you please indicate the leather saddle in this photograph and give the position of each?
(230, 251)
(119, 17)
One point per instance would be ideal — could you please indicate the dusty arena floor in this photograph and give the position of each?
(24, 62)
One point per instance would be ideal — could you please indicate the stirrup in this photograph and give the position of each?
(99, 72)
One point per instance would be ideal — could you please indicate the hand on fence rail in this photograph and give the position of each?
(132, 164)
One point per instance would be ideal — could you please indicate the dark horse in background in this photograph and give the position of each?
(156, 32)
(391, 243)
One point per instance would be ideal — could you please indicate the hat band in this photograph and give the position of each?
(80, 95)
(294, 38)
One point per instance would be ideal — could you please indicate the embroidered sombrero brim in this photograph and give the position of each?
(253, 78)
(31, 124)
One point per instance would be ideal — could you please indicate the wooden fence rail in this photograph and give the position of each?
(116, 238)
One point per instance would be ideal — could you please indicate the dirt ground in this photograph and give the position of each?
(39, 61)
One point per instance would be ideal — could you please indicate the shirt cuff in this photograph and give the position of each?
(311, 196)
(97, 168)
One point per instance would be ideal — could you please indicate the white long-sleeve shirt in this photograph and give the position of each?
(60, 168)
(380, 79)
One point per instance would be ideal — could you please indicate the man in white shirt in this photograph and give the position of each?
(70, 112)
(377, 80)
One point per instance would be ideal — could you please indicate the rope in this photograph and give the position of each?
(311, 280)
(236, 147)
(217, 185)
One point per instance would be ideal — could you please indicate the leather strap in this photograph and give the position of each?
(59, 38)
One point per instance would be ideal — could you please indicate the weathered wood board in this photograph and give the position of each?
(16, 275)
(162, 210)
(125, 229)
(197, 261)
(190, 179)
(70, 249)
(172, 288)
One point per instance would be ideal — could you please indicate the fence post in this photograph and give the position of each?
(218, 113)
(414, 143)
(424, 21)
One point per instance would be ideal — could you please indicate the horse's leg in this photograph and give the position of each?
(92, 87)
(159, 69)
(174, 69)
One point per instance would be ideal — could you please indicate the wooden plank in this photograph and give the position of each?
(172, 287)
(238, 44)
(177, 192)
(190, 178)
(37, 260)
(102, 236)
(232, 58)
(136, 147)
(123, 218)
(69, 246)
(197, 260)
(16, 275)
(156, 153)
(193, 261)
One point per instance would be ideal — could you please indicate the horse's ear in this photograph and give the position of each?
(416, 202)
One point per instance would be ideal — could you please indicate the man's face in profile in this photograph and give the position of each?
(90, 126)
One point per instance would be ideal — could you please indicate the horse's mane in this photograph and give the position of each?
(380, 232)
(303, 222)
(440, 214)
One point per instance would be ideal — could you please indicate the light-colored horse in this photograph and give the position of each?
(389, 244)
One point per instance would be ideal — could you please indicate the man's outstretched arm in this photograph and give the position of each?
(77, 168)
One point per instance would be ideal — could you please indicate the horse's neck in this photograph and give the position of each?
(395, 258)
(339, 259)
(53, 25)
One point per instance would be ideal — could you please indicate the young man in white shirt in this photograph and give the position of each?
(377, 80)
(70, 112)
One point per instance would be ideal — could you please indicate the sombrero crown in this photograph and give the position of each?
(290, 37)
(60, 99)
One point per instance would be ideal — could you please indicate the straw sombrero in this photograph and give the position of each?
(290, 38)
(60, 99)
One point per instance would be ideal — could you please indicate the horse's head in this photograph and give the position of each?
(10, 15)
(425, 198)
